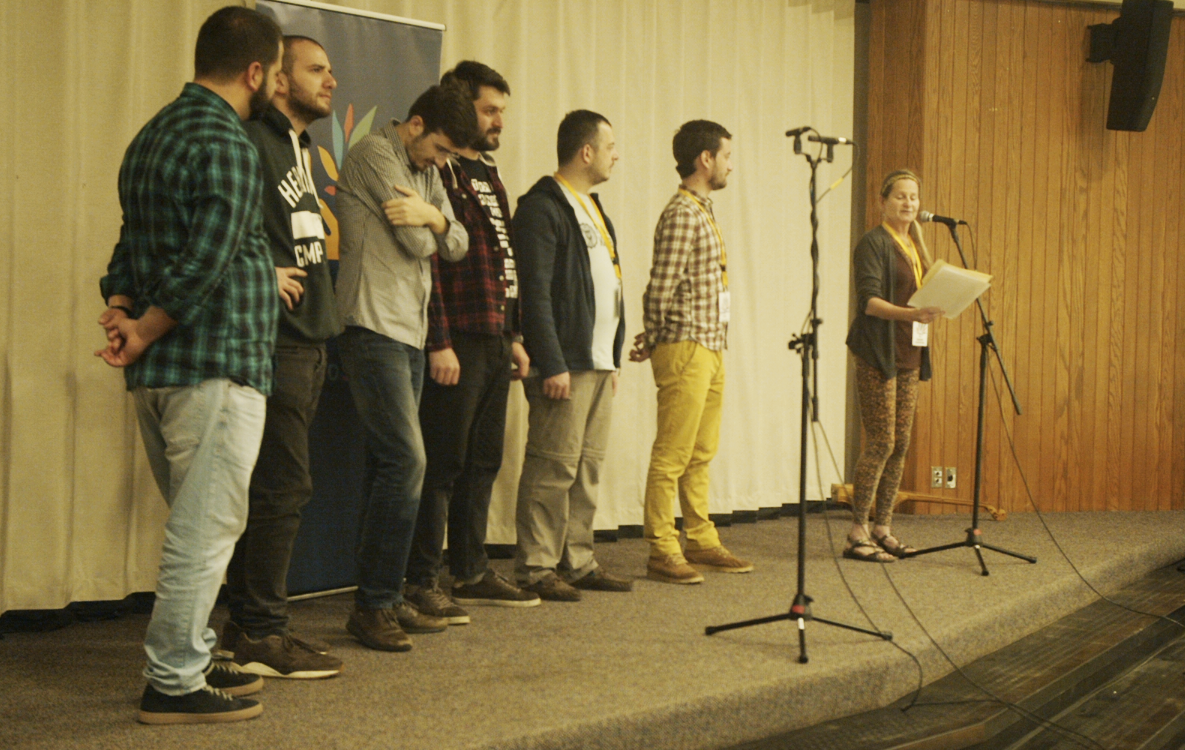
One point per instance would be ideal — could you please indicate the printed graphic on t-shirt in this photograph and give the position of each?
(489, 201)
(592, 237)
(308, 229)
(308, 233)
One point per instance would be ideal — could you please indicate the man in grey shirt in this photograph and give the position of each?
(393, 214)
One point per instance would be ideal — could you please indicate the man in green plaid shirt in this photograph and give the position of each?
(192, 311)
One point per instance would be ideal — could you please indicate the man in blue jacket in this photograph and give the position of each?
(573, 330)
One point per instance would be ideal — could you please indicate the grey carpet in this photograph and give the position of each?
(618, 670)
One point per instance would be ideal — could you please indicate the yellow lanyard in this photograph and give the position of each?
(711, 220)
(598, 220)
(910, 250)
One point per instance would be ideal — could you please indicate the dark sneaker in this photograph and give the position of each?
(230, 637)
(283, 656)
(599, 580)
(204, 706)
(495, 591)
(672, 569)
(431, 601)
(718, 559)
(553, 589)
(225, 677)
(378, 629)
(413, 621)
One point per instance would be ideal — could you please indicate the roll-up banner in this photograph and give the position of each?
(381, 63)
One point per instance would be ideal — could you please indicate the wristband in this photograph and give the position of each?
(125, 308)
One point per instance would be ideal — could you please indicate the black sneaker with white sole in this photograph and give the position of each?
(229, 679)
(205, 706)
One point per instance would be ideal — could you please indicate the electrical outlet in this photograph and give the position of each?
(935, 476)
(952, 476)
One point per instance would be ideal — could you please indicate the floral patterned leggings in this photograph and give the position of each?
(887, 406)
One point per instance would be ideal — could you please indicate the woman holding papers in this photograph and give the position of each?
(890, 342)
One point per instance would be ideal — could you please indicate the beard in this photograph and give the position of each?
(305, 105)
(260, 99)
(488, 141)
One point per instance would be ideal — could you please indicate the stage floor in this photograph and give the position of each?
(622, 670)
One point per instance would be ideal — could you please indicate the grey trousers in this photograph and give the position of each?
(557, 494)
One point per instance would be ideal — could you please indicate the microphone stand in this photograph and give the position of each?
(807, 347)
(974, 538)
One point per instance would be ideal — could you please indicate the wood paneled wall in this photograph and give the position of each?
(995, 106)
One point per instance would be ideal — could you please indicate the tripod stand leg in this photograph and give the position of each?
(939, 548)
(713, 629)
(802, 657)
(1010, 553)
(884, 635)
(982, 565)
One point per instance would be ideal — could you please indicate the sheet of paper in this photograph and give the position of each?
(950, 288)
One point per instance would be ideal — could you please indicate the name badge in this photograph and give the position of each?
(921, 334)
(725, 306)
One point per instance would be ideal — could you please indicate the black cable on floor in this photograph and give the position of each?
(1070, 734)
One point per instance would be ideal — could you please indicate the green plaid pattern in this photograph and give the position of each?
(193, 243)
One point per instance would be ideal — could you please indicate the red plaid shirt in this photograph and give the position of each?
(470, 295)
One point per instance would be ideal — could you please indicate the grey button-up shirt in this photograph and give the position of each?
(384, 278)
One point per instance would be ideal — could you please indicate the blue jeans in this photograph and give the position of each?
(386, 378)
(201, 442)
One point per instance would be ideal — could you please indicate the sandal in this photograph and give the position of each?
(896, 549)
(867, 551)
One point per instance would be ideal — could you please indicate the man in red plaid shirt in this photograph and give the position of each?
(686, 313)
(474, 351)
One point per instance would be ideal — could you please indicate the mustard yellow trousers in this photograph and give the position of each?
(690, 380)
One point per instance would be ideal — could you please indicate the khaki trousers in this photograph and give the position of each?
(690, 380)
(557, 493)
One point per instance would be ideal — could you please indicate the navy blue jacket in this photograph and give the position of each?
(555, 282)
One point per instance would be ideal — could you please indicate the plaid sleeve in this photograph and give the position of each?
(438, 328)
(223, 212)
(119, 278)
(674, 237)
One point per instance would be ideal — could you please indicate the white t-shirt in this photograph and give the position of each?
(606, 285)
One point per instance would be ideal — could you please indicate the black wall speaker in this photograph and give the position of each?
(1137, 44)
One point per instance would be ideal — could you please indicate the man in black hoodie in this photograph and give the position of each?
(257, 632)
(573, 330)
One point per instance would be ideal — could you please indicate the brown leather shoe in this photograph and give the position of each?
(553, 589)
(378, 629)
(718, 559)
(672, 569)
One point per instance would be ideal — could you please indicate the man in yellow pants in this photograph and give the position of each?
(686, 329)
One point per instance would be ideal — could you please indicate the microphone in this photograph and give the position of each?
(797, 131)
(927, 216)
(829, 141)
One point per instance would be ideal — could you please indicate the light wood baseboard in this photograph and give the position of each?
(907, 501)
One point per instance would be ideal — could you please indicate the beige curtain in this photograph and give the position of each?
(80, 517)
